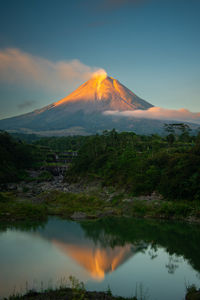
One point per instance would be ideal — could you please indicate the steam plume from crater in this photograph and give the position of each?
(100, 73)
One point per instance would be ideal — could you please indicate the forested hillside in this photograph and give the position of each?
(63, 143)
(139, 164)
(15, 157)
(142, 164)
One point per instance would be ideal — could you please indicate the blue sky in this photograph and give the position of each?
(151, 46)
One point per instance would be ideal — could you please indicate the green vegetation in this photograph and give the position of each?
(62, 143)
(68, 293)
(192, 293)
(65, 204)
(44, 176)
(75, 290)
(91, 206)
(142, 164)
(133, 167)
(130, 169)
(16, 157)
(14, 209)
(25, 137)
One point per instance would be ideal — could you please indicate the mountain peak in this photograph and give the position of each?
(100, 74)
(82, 111)
(102, 92)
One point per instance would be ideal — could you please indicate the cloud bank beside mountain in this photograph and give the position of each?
(21, 68)
(159, 113)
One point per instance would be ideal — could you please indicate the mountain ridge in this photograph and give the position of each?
(106, 93)
(82, 112)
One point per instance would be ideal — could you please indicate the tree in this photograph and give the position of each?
(170, 139)
(179, 130)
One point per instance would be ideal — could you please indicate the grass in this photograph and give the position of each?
(65, 204)
(14, 209)
(44, 176)
(167, 210)
(75, 290)
(93, 206)
(67, 293)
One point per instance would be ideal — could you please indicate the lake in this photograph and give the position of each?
(157, 258)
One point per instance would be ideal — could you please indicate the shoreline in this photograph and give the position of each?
(69, 293)
(14, 209)
(79, 292)
(39, 198)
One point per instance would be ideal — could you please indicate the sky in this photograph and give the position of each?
(48, 48)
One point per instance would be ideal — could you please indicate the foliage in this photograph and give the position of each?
(27, 138)
(15, 157)
(15, 209)
(64, 143)
(65, 204)
(44, 176)
(191, 289)
(78, 289)
(192, 292)
(141, 164)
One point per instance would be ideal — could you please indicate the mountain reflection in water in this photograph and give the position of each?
(95, 258)
(121, 253)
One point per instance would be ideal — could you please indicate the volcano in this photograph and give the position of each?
(82, 111)
(102, 93)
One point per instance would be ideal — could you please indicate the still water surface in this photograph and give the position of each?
(120, 253)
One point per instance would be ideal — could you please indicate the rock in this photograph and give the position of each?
(78, 215)
(33, 173)
(106, 213)
(156, 196)
(20, 188)
(12, 187)
(127, 200)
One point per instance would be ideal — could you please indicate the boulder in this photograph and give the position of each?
(78, 215)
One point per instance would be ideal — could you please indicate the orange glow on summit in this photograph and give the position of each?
(100, 93)
(100, 73)
(99, 76)
(89, 91)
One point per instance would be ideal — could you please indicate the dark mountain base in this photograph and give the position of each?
(80, 123)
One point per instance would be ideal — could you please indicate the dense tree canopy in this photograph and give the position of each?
(138, 163)
(141, 164)
(15, 157)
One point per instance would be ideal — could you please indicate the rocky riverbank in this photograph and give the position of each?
(46, 194)
(45, 181)
(42, 180)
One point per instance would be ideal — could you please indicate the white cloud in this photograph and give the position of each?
(160, 113)
(21, 68)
